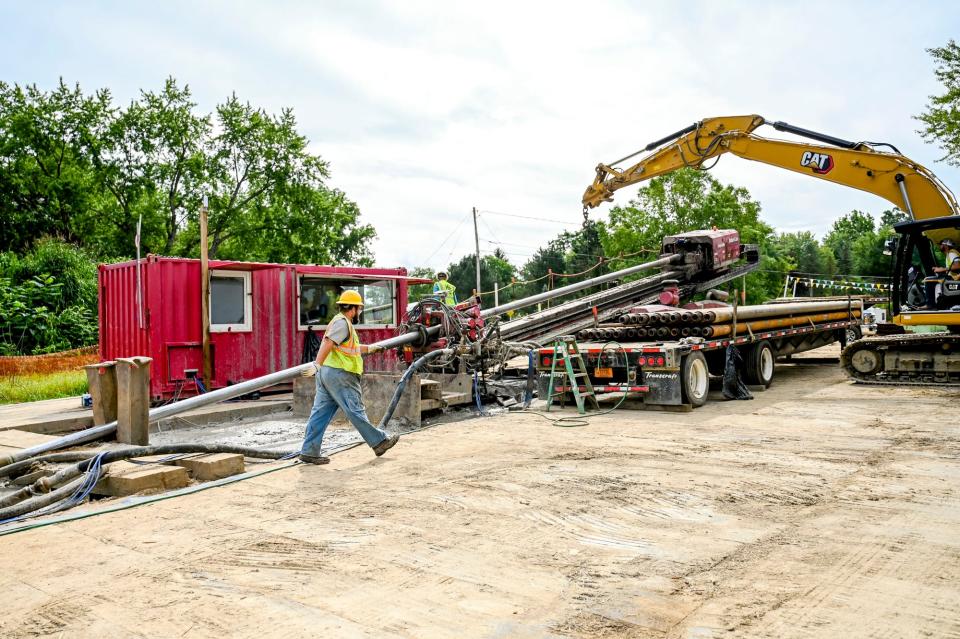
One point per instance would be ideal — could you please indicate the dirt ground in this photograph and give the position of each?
(819, 509)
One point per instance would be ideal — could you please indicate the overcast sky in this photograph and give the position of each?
(426, 109)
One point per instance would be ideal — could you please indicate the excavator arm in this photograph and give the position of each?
(899, 180)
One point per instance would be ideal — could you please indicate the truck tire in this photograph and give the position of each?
(760, 364)
(694, 379)
(853, 334)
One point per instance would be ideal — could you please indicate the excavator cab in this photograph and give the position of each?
(920, 296)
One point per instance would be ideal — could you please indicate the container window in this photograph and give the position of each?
(318, 301)
(230, 307)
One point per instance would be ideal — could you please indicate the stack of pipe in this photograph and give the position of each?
(721, 322)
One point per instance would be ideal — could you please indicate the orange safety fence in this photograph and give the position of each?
(49, 362)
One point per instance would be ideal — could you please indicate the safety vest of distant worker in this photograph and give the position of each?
(346, 356)
(445, 289)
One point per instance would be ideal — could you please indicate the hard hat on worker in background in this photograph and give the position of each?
(350, 297)
(442, 274)
(948, 242)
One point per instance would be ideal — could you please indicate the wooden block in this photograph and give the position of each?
(430, 389)
(124, 478)
(211, 466)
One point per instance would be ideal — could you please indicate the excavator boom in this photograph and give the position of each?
(888, 174)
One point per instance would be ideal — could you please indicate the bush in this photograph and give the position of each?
(48, 299)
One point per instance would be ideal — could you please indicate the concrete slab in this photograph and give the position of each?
(66, 415)
(47, 416)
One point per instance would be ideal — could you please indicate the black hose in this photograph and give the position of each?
(405, 377)
(41, 501)
(44, 484)
(23, 467)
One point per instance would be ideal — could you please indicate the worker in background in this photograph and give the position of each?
(950, 268)
(444, 289)
(338, 368)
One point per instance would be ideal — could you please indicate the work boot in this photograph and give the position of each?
(386, 444)
(314, 459)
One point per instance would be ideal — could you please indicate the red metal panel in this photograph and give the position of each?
(171, 332)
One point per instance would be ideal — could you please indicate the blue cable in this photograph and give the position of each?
(531, 368)
(476, 394)
(86, 487)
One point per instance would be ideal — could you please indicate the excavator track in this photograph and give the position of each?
(913, 359)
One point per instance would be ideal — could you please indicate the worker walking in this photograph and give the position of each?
(338, 368)
(444, 289)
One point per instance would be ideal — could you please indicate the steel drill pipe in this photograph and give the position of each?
(674, 332)
(685, 331)
(723, 315)
(685, 317)
(722, 330)
(663, 331)
(579, 286)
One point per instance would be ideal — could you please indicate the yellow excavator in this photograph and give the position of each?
(922, 294)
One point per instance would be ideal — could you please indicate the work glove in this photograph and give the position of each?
(374, 349)
(310, 372)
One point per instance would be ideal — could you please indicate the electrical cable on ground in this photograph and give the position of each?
(581, 420)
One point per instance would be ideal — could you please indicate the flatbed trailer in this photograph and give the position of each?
(677, 372)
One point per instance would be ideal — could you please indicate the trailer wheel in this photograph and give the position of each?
(694, 379)
(853, 334)
(760, 364)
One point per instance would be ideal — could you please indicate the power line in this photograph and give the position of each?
(455, 229)
(530, 217)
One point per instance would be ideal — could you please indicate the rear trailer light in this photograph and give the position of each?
(660, 361)
(641, 361)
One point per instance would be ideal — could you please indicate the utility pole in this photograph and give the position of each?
(476, 240)
(205, 297)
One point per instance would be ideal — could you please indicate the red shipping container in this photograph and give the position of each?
(260, 316)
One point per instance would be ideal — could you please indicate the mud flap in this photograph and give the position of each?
(733, 386)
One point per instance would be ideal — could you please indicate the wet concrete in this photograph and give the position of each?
(283, 431)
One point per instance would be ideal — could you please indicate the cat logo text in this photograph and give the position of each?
(821, 163)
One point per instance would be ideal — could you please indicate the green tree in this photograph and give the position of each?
(803, 250)
(494, 268)
(942, 118)
(78, 167)
(416, 292)
(688, 200)
(842, 236)
(46, 178)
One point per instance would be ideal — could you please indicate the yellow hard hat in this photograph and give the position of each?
(350, 297)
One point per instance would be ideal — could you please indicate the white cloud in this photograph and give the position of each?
(426, 109)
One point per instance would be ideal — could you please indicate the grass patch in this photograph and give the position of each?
(32, 388)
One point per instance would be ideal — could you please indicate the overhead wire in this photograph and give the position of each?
(447, 239)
